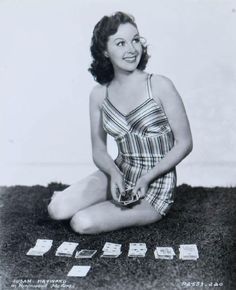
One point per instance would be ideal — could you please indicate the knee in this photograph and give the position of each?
(56, 211)
(83, 223)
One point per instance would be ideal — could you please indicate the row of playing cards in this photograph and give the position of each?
(112, 250)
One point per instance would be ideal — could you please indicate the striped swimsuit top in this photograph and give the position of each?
(144, 135)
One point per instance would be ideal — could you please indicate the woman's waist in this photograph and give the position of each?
(138, 160)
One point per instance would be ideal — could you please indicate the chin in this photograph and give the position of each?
(129, 70)
(131, 67)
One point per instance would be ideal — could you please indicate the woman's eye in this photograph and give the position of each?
(120, 43)
(136, 40)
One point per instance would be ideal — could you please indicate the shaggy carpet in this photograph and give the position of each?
(202, 216)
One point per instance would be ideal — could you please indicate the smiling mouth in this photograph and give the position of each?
(130, 59)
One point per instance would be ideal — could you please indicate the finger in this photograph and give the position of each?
(142, 192)
(118, 190)
(123, 185)
(135, 190)
(121, 189)
(113, 188)
(114, 192)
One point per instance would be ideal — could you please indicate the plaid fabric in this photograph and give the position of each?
(143, 137)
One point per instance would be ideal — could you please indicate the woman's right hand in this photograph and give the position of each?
(117, 185)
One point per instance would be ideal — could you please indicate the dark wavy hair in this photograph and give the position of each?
(101, 68)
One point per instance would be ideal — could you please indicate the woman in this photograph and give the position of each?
(145, 115)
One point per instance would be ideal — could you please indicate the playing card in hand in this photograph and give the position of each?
(128, 197)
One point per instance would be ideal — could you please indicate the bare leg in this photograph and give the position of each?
(86, 192)
(106, 216)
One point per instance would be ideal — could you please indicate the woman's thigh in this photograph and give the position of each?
(84, 193)
(106, 216)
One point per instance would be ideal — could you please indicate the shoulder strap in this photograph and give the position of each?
(149, 88)
(106, 95)
(157, 99)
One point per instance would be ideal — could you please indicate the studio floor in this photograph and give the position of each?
(204, 214)
(200, 215)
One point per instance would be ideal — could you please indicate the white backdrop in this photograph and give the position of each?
(44, 83)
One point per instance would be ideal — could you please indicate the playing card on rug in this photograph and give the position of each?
(85, 254)
(111, 247)
(66, 249)
(188, 252)
(136, 254)
(79, 271)
(137, 245)
(41, 247)
(110, 255)
(166, 253)
(163, 257)
(137, 250)
(111, 250)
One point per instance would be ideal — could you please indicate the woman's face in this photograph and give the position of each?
(124, 48)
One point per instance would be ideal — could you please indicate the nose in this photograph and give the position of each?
(131, 48)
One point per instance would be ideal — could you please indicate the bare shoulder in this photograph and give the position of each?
(163, 87)
(165, 93)
(97, 95)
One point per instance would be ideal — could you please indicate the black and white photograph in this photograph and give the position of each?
(117, 144)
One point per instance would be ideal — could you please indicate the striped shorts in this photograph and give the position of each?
(160, 192)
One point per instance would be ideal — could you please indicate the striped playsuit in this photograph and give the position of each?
(143, 137)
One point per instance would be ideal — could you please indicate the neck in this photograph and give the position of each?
(122, 78)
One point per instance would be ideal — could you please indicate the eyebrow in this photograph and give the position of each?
(123, 38)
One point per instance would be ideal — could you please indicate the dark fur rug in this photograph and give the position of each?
(202, 216)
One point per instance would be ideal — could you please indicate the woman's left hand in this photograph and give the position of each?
(141, 187)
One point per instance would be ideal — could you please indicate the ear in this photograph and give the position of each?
(106, 54)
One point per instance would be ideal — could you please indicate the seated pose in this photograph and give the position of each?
(145, 115)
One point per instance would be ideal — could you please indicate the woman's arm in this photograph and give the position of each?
(164, 91)
(174, 109)
(101, 157)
